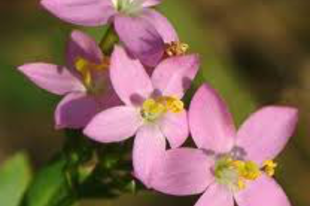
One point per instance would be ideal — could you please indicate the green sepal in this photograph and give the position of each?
(109, 40)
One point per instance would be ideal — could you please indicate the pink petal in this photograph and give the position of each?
(107, 96)
(149, 3)
(173, 76)
(149, 146)
(55, 79)
(182, 171)
(175, 127)
(210, 122)
(265, 133)
(81, 12)
(216, 195)
(82, 45)
(263, 191)
(114, 125)
(129, 78)
(76, 110)
(140, 38)
(161, 24)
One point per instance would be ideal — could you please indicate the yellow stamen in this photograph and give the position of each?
(172, 104)
(236, 173)
(238, 164)
(241, 184)
(82, 66)
(154, 108)
(269, 167)
(176, 49)
(85, 68)
(248, 170)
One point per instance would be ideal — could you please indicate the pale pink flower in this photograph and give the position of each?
(229, 165)
(152, 110)
(84, 82)
(143, 30)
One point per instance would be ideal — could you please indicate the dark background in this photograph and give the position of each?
(255, 52)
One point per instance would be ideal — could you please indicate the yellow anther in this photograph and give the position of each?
(173, 104)
(85, 68)
(241, 184)
(248, 170)
(176, 48)
(236, 173)
(154, 108)
(269, 167)
(238, 164)
(82, 66)
(252, 171)
(148, 104)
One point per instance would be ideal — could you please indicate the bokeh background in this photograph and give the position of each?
(255, 52)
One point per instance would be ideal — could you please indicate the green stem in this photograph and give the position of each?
(108, 41)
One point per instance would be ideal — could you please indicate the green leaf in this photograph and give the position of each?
(15, 175)
(51, 186)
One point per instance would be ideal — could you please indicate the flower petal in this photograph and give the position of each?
(263, 191)
(76, 110)
(129, 78)
(182, 171)
(82, 45)
(161, 24)
(216, 195)
(81, 12)
(149, 3)
(210, 122)
(175, 127)
(149, 146)
(140, 38)
(265, 133)
(55, 79)
(173, 76)
(114, 125)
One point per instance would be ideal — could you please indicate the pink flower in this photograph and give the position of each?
(143, 30)
(153, 108)
(84, 82)
(228, 166)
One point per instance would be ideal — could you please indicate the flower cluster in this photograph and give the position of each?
(137, 90)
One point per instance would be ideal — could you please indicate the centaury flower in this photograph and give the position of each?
(84, 82)
(145, 32)
(228, 166)
(152, 110)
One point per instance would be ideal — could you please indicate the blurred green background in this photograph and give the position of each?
(255, 52)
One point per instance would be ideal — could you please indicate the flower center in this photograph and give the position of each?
(176, 48)
(152, 109)
(269, 167)
(129, 7)
(92, 73)
(235, 173)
